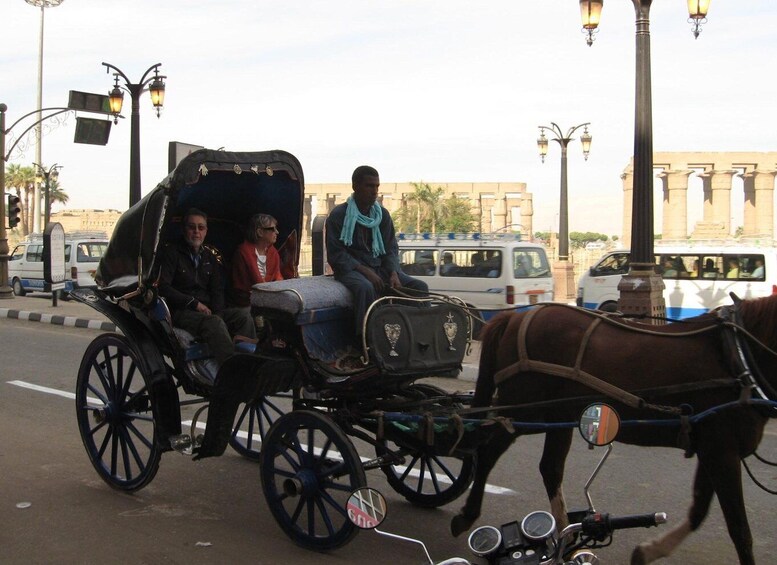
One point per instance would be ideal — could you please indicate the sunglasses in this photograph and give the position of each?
(274, 228)
(196, 227)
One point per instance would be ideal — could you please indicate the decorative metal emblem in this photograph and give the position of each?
(203, 170)
(392, 334)
(237, 169)
(451, 329)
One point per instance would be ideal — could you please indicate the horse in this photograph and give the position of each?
(547, 363)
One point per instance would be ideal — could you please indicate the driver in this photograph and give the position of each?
(361, 245)
(191, 283)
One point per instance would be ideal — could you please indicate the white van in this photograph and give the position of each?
(83, 251)
(486, 271)
(697, 278)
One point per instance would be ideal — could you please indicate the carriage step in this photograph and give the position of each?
(184, 445)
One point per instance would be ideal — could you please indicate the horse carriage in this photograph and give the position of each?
(285, 401)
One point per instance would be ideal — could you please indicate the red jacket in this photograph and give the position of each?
(245, 272)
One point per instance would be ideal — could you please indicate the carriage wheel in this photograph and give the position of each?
(252, 422)
(309, 468)
(426, 479)
(115, 414)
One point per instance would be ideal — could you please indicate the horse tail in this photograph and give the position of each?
(489, 345)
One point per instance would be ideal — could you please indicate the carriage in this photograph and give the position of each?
(284, 401)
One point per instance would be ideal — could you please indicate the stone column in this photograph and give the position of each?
(675, 212)
(764, 202)
(721, 197)
(500, 212)
(527, 215)
(748, 226)
(627, 178)
(486, 204)
(307, 210)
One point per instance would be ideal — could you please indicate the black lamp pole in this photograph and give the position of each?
(135, 90)
(563, 140)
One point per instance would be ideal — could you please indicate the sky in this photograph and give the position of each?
(424, 90)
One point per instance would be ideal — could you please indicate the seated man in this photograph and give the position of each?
(190, 280)
(362, 248)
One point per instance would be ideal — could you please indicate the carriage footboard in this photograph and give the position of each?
(243, 378)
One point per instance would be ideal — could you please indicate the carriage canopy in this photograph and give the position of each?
(229, 187)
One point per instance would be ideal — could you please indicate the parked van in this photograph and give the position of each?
(697, 278)
(487, 271)
(83, 251)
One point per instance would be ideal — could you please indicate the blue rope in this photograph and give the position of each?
(543, 426)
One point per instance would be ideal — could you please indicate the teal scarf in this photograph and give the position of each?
(354, 216)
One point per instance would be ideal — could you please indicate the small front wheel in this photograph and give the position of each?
(309, 469)
(115, 414)
(252, 422)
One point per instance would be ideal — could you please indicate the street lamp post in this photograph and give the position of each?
(641, 291)
(42, 4)
(48, 176)
(156, 86)
(563, 270)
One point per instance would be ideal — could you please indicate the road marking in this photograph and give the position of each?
(493, 489)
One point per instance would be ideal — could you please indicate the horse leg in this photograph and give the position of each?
(487, 455)
(554, 455)
(725, 470)
(663, 546)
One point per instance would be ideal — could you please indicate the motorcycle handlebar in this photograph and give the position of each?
(597, 524)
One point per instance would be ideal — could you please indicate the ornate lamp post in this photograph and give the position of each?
(47, 176)
(563, 270)
(42, 4)
(641, 291)
(156, 86)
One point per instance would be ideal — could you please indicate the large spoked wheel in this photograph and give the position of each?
(252, 422)
(115, 415)
(425, 478)
(309, 468)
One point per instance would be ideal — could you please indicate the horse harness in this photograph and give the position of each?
(746, 378)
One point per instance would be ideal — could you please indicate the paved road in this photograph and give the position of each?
(73, 517)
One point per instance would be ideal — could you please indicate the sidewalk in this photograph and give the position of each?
(37, 307)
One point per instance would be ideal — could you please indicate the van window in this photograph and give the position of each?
(18, 253)
(615, 264)
(529, 263)
(90, 252)
(35, 253)
(418, 262)
(471, 263)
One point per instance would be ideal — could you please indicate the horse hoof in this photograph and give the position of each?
(638, 556)
(460, 524)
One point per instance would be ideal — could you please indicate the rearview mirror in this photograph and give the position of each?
(366, 508)
(599, 424)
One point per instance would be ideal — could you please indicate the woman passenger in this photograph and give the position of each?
(256, 260)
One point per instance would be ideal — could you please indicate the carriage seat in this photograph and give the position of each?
(321, 309)
(308, 300)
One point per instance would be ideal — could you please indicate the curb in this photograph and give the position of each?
(70, 321)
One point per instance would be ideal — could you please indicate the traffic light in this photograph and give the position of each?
(14, 208)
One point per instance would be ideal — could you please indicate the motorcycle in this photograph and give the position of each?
(535, 540)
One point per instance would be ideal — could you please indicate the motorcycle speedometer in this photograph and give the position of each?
(538, 526)
(484, 540)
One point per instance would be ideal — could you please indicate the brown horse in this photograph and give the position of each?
(556, 359)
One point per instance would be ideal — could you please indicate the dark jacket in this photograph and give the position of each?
(344, 258)
(183, 285)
